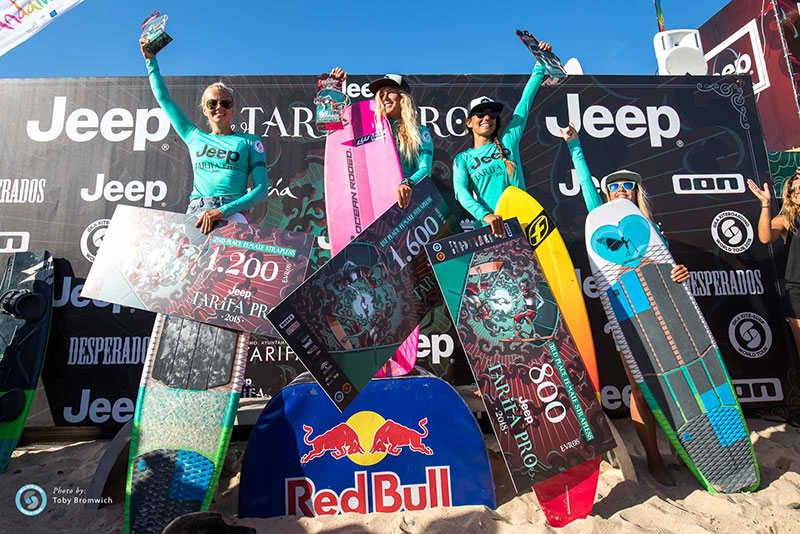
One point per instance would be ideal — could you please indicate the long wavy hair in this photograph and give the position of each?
(498, 126)
(642, 201)
(789, 208)
(407, 135)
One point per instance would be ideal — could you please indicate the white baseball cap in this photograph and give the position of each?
(483, 102)
(618, 176)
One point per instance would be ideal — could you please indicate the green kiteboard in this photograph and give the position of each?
(26, 301)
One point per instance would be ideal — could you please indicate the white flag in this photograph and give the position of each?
(20, 19)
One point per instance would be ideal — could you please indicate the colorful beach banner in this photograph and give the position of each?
(21, 19)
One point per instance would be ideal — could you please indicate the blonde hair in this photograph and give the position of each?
(407, 135)
(220, 86)
(789, 210)
(642, 202)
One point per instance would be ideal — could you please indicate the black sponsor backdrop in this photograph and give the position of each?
(754, 37)
(109, 131)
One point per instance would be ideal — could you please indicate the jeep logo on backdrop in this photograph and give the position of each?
(116, 125)
(741, 53)
(659, 122)
(133, 191)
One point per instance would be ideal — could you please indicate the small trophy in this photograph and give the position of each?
(331, 103)
(552, 65)
(153, 31)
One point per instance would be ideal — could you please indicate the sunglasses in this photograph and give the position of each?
(492, 114)
(211, 103)
(628, 186)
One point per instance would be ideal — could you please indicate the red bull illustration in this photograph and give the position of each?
(341, 440)
(391, 436)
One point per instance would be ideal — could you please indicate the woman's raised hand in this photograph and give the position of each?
(545, 46)
(764, 195)
(337, 72)
(569, 133)
(145, 52)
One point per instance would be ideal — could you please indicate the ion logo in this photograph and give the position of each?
(92, 238)
(750, 335)
(733, 55)
(31, 499)
(631, 121)
(758, 389)
(707, 184)
(11, 242)
(732, 232)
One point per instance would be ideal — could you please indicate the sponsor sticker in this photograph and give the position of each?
(732, 232)
(750, 335)
(92, 238)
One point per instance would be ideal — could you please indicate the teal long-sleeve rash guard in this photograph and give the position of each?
(221, 163)
(416, 170)
(482, 171)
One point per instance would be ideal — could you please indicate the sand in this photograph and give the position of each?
(620, 507)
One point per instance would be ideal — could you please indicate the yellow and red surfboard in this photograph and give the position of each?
(569, 495)
(553, 257)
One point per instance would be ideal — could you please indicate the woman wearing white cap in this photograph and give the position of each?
(624, 184)
(413, 140)
(483, 172)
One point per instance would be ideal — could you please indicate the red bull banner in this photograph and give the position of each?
(759, 38)
(403, 444)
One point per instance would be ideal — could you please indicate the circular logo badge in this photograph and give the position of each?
(338, 396)
(31, 499)
(732, 232)
(437, 247)
(92, 238)
(426, 136)
(750, 335)
(347, 388)
(259, 147)
(440, 256)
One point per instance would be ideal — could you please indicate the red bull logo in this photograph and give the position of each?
(365, 439)
(366, 431)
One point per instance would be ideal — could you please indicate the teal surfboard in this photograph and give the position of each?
(669, 348)
(185, 411)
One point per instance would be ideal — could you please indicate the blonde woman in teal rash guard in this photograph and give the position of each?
(222, 160)
(483, 172)
(627, 185)
(412, 139)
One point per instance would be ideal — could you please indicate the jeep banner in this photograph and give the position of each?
(754, 37)
(79, 147)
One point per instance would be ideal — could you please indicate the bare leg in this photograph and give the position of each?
(645, 425)
(794, 324)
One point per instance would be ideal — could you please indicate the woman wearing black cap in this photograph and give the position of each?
(413, 141)
(483, 172)
(624, 184)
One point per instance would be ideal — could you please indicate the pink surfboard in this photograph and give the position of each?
(362, 172)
